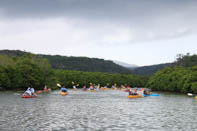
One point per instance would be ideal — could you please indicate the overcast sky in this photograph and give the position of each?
(141, 32)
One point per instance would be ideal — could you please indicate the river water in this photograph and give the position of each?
(97, 111)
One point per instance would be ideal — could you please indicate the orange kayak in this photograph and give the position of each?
(63, 93)
(135, 96)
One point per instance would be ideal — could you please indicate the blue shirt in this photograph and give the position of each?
(63, 89)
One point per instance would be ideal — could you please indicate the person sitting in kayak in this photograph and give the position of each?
(84, 88)
(28, 92)
(146, 92)
(33, 92)
(74, 87)
(46, 89)
(63, 89)
(91, 87)
(130, 92)
(133, 93)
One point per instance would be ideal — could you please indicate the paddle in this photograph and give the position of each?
(59, 85)
(190, 94)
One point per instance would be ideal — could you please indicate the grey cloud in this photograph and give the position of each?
(149, 19)
(128, 9)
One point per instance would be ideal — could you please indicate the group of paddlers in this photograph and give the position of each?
(31, 91)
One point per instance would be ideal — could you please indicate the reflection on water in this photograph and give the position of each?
(97, 111)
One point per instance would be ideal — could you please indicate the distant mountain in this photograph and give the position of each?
(149, 70)
(130, 66)
(75, 63)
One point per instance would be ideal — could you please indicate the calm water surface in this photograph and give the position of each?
(97, 111)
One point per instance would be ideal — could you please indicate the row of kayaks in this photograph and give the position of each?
(130, 96)
(65, 93)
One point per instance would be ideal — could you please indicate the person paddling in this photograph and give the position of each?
(33, 92)
(130, 92)
(63, 89)
(84, 88)
(28, 92)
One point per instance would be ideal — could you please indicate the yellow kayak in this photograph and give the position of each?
(92, 90)
(135, 96)
(196, 97)
(63, 93)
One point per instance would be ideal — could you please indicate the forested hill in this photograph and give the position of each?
(149, 70)
(85, 64)
(76, 63)
(181, 60)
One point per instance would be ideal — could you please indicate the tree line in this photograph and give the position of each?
(20, 72)
(75, 63)
(181, 77)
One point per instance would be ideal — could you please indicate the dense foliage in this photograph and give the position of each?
(35, 71)
(186, 60)
(182, 77)
(76, 63)
(21, 72)
(85, 78)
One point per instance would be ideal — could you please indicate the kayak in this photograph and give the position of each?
(126, 90)
(75, 89)
(92, 90)
(196, 97)
(23, 96)
(152, 95)
(63, 93)
(38, 92)
(84, 89)
(135, 96)
(47, 90)
(102, 89)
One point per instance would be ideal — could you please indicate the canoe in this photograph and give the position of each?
(63, 93)
(135, 96)
(23, 96)
(152, 95)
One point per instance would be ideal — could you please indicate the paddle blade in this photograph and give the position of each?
(189, 94)
(58, 85)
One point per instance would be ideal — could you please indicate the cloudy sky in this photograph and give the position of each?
(141, 32)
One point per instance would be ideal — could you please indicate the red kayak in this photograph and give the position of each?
(126, 90)
(24, 96)
(38, 92)
(47, 90)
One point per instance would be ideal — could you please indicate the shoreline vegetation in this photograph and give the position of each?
(180, 77)
(30, 70)
(20, 72)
